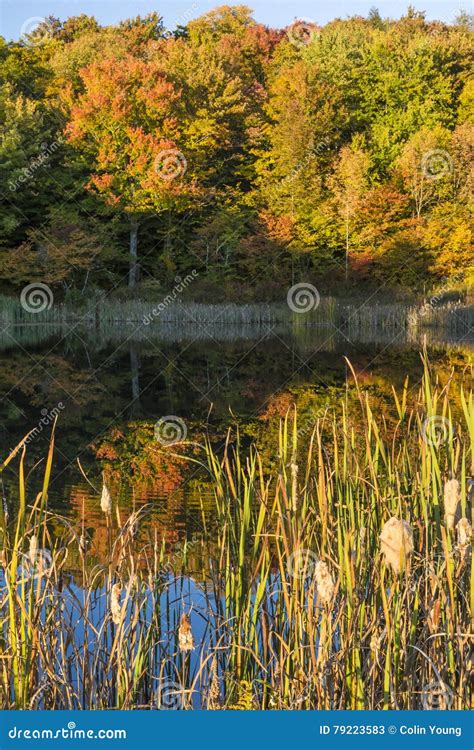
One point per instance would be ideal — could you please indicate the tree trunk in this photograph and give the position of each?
(133, 270)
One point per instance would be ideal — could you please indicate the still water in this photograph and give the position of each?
(110, 389)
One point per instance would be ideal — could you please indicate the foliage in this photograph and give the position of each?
(305, 160)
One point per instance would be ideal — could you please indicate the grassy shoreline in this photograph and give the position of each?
(353, 314)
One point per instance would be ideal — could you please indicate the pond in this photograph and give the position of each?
(212, 530)
(201, 379)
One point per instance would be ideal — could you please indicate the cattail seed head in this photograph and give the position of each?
(115, 604)
(452, 497)
(324, 582)
(396, 543)
(105, 500)
(214, 689)
(185, 634)
(33, 551)
(464, 533)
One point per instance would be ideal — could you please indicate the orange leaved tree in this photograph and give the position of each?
(125, 125)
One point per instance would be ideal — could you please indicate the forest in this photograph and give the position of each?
(250, 157)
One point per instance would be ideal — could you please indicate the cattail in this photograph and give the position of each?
(396, 543)
(83, 544)
(294, 485)
(33, 552)
(324, 582)
(452, 497)
(434, 616)
(133, 526)
(5, 505)
(115, 605)
(464, 534)
(214, 689)
(105, 500)
(376, 640)
(185, 634)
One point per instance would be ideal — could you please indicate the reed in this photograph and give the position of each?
(354, 316)
(295, 603)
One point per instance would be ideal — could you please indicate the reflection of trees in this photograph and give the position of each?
(135, 381)
(48, 380)
(259, 385)
(143, 382)
(164, 519)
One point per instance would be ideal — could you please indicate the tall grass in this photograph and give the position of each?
(355, 316)
(269, 631)
(333, 322)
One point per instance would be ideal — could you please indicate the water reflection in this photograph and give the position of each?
(114, 383)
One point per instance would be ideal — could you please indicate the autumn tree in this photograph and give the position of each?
(125, 123)
(425, 166)
(348, 184)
